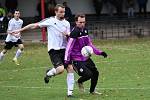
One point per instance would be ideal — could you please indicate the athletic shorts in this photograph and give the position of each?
(10, 44)
(57, 57)
(84, 67)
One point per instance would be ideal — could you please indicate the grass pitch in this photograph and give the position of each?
(124, 75)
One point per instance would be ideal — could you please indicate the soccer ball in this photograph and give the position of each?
(87, 51)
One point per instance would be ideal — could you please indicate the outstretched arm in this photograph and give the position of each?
(29, 26)
(97, 51)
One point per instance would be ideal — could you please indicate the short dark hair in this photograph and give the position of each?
(59, 5)
(15, 11)
(79, 15)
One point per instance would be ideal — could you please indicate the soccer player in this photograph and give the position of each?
(57, 28)
(84, 66)
(13, 39)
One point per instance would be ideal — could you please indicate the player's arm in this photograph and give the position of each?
(43, 23)
(68, 30)
(30, 26)
(9, 32)
(70, 45)
(67, 33)
(95, 50)
(69, 48)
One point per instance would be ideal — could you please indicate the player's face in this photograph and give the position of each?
(16, 14)
(81, 22)
(60, 13)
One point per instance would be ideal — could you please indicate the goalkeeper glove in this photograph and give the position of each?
(104, 54)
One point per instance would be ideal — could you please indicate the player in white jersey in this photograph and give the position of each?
(13, 39)
(57, 28)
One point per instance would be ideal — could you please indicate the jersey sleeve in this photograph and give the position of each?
(10, 26)
(95, 50)
(22, 23)
(68, 28)
(44, 23)
(69, 48)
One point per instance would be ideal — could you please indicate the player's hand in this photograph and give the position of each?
(17, 35)
(104, 54)
(11, 33)
(16, 32)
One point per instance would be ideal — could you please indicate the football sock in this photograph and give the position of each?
(1, 56)
(51, 72)
(18, 53)
(70, 83)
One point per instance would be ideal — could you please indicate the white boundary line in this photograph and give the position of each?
(34, 87)
(130, 49)
(123, 48)
(33, 68)
(125, 61)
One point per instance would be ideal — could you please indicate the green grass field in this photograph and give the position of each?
(125, 74)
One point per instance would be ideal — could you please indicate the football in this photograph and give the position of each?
(87, 51)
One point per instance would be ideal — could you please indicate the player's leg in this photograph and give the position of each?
(70, 75)
(70, 80)
(19, 51)
(56, 70)
(8, 45)
(2, 54)
(55, 56)
(94, 78)
(84, 72)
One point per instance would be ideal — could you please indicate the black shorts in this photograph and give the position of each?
(84, 67)
(57, 57)
(10, 44)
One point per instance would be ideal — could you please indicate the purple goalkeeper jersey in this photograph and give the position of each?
(78, 39)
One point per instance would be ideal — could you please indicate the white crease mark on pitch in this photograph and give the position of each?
(119, 88)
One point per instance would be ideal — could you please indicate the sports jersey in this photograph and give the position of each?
(78, 39)
(55, 28)
(13, 25)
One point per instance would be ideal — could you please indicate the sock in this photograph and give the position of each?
(51, 72)
(18, 53)
(1, 56)
(70, 83)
